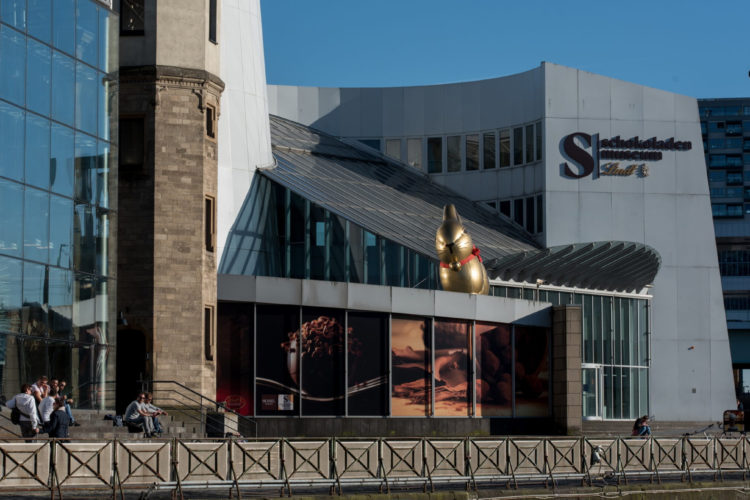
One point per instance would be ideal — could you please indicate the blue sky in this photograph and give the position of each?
(693, 47)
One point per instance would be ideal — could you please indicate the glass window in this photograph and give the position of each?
(34, 300)
(38, 77)
(393, 148)
(105, 112)
(454, 153)
(717, 175)
(212, 19)
(596, 328)
(131, 142)
(318, 235)
(37, 151)
(733, 143)
(488, 148)
(505, 148)
(538, 140)
(494, 355)
(11, 141)
(411, 367)
(60, 302)
(734, 210)
(101, 235)
(85, 168)
(704, 128)
(539, 214)
(234, 356)
(394, 264)
(588, 341)
(530, 205)
(734, 161)
(63, 25)
(367, 342)
(61, 231)
(13, 12)
(277, 360)
(87, 32)
(321, 361)
(532, 371)
(734, 128)
(36, 225)
(84, 238)
(505, 208)
(371, 143)
(10, 294)
(529, 143)
(717, 161)
(107, 60)
(86, 87)
(40, 19)
(372, 259)
(715, 127)
(13, 62)
(434, 155)
(718, 210)
(732, 110)
(414, 152)
(518, 211)
(716, 143)
(101, 184)
(733, 178)
(63, 87)
(518, 146)
(132, 17)
(62, 160)
(11, 230)
(472, 152)
(356, 253)
(337, 243)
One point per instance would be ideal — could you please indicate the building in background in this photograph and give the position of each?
(58, 114)
(725, 126)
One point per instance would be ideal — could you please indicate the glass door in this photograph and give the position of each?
(591, 391)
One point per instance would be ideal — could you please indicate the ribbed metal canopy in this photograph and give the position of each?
(603, 265)
(405, 207)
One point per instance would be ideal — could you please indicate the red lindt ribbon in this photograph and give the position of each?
(474, 253)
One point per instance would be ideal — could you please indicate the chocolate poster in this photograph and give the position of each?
(277, 388)
(368, 364)
(452, 397)
(494, 364)
(410, 354)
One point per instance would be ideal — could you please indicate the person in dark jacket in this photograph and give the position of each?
(58, 421)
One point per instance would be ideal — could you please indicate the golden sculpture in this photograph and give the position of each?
(461, 268)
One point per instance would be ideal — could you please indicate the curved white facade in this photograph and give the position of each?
(664, 205)
(244, 132)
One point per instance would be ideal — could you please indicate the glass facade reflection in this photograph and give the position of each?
(283, 235)
(57, 101)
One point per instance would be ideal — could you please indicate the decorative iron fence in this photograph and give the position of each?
(339, 463)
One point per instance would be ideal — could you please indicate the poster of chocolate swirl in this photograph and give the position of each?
(411, 370)
(368, 364)
(452, 396)
(532, 371)
(494, 365)
(276, 390)
(320, 344)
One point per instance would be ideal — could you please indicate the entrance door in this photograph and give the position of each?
(592, 392)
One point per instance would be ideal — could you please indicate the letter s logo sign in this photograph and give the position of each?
(578, 155)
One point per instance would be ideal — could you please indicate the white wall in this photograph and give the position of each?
(669, 210)
(244, 134)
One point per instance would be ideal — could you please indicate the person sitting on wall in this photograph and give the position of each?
(137, 415)
(29, 419)
(58, 422)
(40, 389)
(641, 427)
(64, 396)
(155, 412)
(47, 406)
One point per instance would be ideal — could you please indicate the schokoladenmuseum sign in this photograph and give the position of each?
(615, 156)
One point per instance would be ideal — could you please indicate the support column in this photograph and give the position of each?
(567, 402)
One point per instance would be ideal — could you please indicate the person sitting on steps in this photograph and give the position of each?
(155, 412)
(137, 415)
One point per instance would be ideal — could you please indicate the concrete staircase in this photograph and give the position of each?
(93, 426)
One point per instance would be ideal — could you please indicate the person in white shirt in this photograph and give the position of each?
(40, 388)
(26, 404)
(47, 406)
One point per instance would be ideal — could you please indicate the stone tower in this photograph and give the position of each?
(170, 93)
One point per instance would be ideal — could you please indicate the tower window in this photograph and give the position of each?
(208, 332)
(211, 121)
(210, 223)
(132, 15)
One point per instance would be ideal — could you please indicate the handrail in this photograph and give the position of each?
(150, 383)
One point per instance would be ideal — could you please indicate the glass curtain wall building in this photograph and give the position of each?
(57, 194)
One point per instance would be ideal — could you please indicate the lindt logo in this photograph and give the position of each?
(633, 149)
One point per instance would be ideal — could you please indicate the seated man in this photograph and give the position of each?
(155, 411)
(136, 414)
(64, 396)
(39, 389)
(46, 407)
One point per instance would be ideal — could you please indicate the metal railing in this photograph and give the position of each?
(309, 464)
(214, 419)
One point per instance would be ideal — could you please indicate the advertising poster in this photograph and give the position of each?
(451, 369)
(410, 354)
(320, 343)
(532, 372)
(368, 364)
(494, 363)
(234, 352)
(276, 391)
